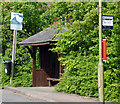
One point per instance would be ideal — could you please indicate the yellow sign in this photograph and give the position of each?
(97, 9)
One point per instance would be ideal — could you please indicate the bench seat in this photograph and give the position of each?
(52, 79)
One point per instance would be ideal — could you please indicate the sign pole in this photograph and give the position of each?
(16, 24)
(100, 65)
(13, 55)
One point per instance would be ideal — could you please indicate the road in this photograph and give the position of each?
(8, 96)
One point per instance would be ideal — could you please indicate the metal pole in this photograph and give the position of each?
(13, 55)
(100, 65)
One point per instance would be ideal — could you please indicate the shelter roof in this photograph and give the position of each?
(44, 37)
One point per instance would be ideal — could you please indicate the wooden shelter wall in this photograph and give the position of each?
(41, 77)
(49, 62)
(48, 66)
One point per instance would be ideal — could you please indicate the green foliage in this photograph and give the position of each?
(32, 23)
(80, 48)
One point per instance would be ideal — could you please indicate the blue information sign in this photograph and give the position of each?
(16, 21)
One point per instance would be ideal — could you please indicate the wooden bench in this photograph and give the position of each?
(52, 79)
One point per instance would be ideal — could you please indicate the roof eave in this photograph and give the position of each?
(36, 44)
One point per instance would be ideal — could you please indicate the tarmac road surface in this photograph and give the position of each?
(8, 96)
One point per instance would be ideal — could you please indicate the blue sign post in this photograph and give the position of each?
(16, 24)
(16, 21)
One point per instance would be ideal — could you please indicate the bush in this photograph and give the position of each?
(80, 48)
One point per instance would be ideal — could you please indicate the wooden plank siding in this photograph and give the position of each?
(41, 76)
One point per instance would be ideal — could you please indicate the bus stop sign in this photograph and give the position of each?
(107, 22)
(16, 21)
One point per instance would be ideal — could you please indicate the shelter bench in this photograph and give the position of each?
(52, 79)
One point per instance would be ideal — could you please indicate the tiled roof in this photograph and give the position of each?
(44, 36)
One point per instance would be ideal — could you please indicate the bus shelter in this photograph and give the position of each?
(50, 69)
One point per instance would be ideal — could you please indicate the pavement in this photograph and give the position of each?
(48, 94)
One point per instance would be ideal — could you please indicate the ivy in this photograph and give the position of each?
(32, 24)
(79, 46)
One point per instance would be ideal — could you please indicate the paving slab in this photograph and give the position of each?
(49, 95)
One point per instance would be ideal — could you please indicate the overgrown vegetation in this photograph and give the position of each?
(32, 23)
(79, 49)
(79, 46)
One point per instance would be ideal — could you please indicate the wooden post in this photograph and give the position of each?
(33, 55)
(34, 67)
(100, 65)
(40, 66)
(13, 55)
(60, 66)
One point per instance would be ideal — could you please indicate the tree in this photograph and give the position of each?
(32, 23)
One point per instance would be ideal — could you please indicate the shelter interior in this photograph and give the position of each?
(47, 69)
